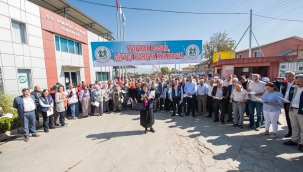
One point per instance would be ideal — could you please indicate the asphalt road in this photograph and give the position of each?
(116, 142)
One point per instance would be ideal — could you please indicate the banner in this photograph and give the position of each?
(146, 53)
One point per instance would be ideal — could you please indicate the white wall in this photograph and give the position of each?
(95, 38)
(15, 56)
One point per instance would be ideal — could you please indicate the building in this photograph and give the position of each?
(265, 62)
(44, 42)
(188, 70)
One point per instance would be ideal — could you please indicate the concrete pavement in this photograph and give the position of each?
(116, 142)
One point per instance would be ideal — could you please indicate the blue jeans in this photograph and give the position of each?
(62, 117)
(74, 108)
(29, 123)
(251, 108)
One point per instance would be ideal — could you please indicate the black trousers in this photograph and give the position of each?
(92, 109)
(287, 118)
(167, 104)
(161, 103)
(210, 105)
(219, 105)
(176, 103)
(37, 110)
(184, 104)
(48, 121)
(191, 105)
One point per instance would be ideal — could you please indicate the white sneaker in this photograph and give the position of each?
(272, 136)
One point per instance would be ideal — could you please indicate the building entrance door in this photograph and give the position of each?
(71, 77)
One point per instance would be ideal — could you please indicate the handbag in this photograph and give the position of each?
(72, 100)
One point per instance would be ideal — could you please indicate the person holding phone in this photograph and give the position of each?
(271, 108)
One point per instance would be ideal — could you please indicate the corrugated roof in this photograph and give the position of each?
(75, 15)
(296, 37)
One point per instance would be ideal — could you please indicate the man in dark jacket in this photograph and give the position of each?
(231, 88)
(177, 93)
(220, 93)
(26, 106)
(37, 93)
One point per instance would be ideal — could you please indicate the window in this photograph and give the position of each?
(71, 47)
(282, 66)
(239, 56)
(102, 76)
(68, 46)
(24, 78)
(19, 32)
(300, 68)
(57, 42)
(63, 43)
(257, 53)
(77, 48)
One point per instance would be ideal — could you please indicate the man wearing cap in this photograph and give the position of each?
(284, 88)
(295, 107)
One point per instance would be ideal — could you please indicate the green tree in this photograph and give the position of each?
(218, 42)
(174, 70)
(165, 70)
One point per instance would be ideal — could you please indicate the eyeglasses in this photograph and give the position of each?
(299, 76)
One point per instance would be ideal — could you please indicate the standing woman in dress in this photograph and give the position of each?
(271, 108)
(84, 98)
(61, 104)
(147, 119)
(98, 97)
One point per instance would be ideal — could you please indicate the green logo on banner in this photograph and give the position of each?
(102, 54)
(192, 52)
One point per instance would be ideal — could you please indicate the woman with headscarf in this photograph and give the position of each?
(98, 99)
(106, 98)
(147, 119)
(84, 98)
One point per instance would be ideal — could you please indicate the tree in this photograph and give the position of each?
(174, 70)
(218, 42)
(165, 70)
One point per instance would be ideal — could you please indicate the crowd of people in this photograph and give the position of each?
(209, 96)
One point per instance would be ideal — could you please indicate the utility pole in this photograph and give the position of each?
(250, 34)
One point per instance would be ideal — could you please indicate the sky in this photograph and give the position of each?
(159, 26)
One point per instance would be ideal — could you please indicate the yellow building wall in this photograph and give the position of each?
(223, 56)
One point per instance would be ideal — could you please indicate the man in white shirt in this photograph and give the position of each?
(26, 112)
(295, 96)
(210, 101)
(284, 88)
(256, 88)
(202, 91)
(227, 81)
(238, 98)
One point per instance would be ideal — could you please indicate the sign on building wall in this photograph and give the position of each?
(23, 79)
(217, 56)
(146, 53)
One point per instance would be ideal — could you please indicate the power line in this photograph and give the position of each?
(153, 10)
(277, 18)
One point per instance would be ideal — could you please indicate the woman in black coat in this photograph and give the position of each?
(147, 119)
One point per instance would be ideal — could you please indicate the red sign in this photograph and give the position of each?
(55, 23)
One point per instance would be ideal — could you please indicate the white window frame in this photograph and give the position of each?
(23, 25)
(30, 78)
(80, 48)
(258, 53)
(239, 55)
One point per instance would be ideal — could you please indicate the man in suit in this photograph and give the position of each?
(220, 94)
(160, 89)
(37, 93)
(184, 103)
(210, 101)
(177, 94)
(285, 86)
(26, 107)
(295, 108)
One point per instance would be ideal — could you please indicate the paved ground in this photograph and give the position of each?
(116, 142)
